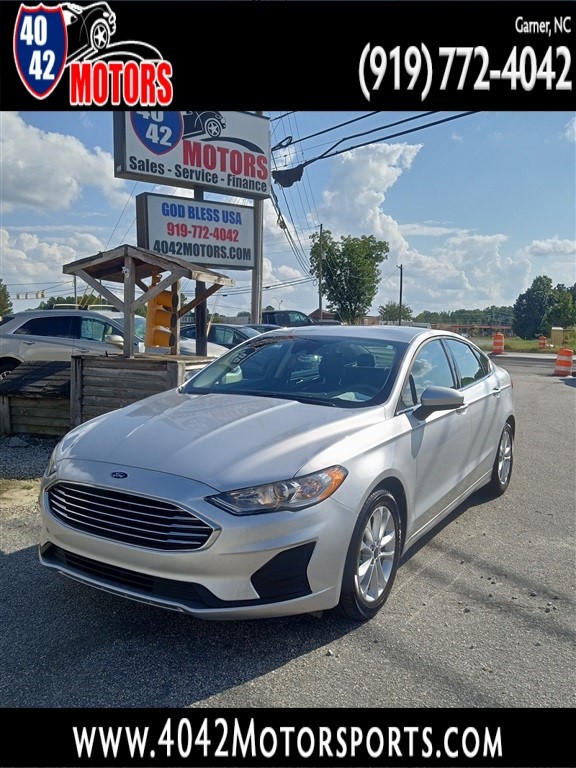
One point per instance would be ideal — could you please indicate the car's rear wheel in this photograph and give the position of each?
(502, 469)
(372, 559)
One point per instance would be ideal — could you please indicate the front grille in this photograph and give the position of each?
(127, 517)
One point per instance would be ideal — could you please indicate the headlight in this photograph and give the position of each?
(51, 468)
(290, 495)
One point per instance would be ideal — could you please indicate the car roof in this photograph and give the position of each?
(402, 333)
(27, 313)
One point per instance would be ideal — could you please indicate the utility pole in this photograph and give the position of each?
(320, 277)
(201, 309)
(400, 301)
(256, 306)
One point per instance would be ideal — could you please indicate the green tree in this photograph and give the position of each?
(5, 302)
(244, 313)
(390, 312)
(349, 272)
(72, 301)
(531, 307)
(562, 312)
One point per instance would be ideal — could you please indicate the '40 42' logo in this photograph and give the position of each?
(40, 48)
(47, 40)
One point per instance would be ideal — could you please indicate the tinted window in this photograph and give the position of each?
(59, 326)
(430, 368)
(471, 367)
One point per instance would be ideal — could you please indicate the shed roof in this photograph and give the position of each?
(38, 379)
(109, 265)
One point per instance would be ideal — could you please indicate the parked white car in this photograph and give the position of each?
(288, 476)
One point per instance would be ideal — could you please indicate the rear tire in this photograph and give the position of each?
(6, 367)
(502, 469)
(372, 559)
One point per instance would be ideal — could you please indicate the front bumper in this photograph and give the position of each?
(253, 566)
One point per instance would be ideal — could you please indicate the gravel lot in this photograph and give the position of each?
(23, 459)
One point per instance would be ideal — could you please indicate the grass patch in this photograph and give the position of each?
(514, 344)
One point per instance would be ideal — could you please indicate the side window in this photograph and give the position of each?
(471, 367)
(222, 336)
(58, 326)
(430, 368)
(95, 330)
(298, 318)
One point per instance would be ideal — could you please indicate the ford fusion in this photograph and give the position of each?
(286, 477)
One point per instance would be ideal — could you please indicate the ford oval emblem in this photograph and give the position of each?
(119, 475)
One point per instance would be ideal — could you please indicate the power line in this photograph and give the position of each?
(287, 177)
(289, 141)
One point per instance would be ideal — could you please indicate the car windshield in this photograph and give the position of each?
(327, 370)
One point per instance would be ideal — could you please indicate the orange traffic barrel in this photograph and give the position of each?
(542, 342)
(563, 365)
(498, 344)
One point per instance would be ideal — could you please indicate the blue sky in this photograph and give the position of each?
(474, 209)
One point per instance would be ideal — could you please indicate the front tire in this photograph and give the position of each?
(372, 559)
(99, 36)
(502, 469)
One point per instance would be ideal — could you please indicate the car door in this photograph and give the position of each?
(45, 338)
(482, 393)
(440, 443)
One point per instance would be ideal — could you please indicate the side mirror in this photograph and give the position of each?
(233, 376)
(114, 339)
(438, 399)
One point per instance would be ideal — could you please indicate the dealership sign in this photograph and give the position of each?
(222, 152)
(213, 234)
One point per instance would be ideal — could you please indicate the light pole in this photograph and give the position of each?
(278, 300)
(400, 267)
(320, 277)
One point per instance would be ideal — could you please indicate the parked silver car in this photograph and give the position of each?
(224, 334)
(288, 476)
(57, 334)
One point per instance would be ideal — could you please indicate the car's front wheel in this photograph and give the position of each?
(99, 36)
(502, 469)
(372, 559)
(213, 128)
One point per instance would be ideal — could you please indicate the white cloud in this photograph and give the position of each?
(570, 130)
(462, 270)
(428, 230)
(29, 263)
(43, 171)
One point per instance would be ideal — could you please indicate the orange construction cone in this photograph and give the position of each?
(498, 344)
(563, 365)
(542, 342)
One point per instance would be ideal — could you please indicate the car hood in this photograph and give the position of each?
(225, 441)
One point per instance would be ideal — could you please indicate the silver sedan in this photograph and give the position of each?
(288, 476)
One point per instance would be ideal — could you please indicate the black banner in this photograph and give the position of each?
(287, 737)
(378, 54)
